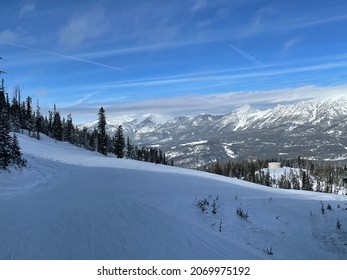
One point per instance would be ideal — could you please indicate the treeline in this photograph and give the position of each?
(302, 174)
(99, 140)
(18, 115)
(9, 146)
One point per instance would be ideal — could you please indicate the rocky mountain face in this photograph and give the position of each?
(315, 130)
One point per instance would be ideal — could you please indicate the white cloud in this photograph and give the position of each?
(82, 27)
(290, 43)
(246, 55)
(69, 57)
(8, 36)
(198, 6)
(218, 103)
(26, 8)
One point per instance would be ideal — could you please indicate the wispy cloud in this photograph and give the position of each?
(69, 57)
(213, 103)
(196, 81)
(245, 55)
(26, 8)
(275, 19)
(290, 43)
(198, 6)
(141, 49)
(82, 27)
(7, 36)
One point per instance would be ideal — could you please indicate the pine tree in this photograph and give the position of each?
(5, 138)
(50, 124)
(69, 130)
(16, 110)
(16, 155)
(29, 120)
(306, 182)
(57, 126)
(119, 142)
(38, 122)
(102, 139)
(130, 150)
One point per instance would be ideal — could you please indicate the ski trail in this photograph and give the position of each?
(61, 237)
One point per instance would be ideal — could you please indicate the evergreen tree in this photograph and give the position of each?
(38, 122)
(16, 154)
(102, 139)
(50, 124)
(129, 149)
(93, 140)
(5, 138)
(16, 110)
(119, 142)
(69, 130)
(29, 120)
(57, 126)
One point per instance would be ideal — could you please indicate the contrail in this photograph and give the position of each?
(68, 57)
(246, 55)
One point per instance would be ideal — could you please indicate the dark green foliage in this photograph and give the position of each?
(241, 213)
(326, 177)
(102, 138)
(69, 130)
(322, 209)
(19, 116)
(203, 204)
(15, 110)
(5, 138)
(16, 155)
(57, 126)
(9, 146)
(214, 207)
(39, 122)
(29, 118)
(268, 252)
(119, 143)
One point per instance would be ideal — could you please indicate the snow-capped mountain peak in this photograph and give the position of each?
(314, 129)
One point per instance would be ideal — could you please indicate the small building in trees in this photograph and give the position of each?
(274, 165)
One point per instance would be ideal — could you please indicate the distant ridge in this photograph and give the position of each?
(314, 129)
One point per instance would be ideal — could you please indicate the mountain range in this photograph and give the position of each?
(314, 129)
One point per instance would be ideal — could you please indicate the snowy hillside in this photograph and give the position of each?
(70, 203)
(314, 129)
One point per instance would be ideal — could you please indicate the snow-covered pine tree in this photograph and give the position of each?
(102, 139)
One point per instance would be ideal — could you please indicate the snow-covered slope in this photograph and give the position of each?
(70, 203)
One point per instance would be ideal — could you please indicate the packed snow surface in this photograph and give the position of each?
(70, 203)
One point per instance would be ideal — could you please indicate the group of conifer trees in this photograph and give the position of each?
(309, 175)
(117, 145)
(17, 115)
(9, 146)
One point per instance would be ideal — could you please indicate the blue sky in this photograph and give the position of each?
(178, 57)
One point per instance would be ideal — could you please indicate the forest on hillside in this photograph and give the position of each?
(18, 115)
(299, 174)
